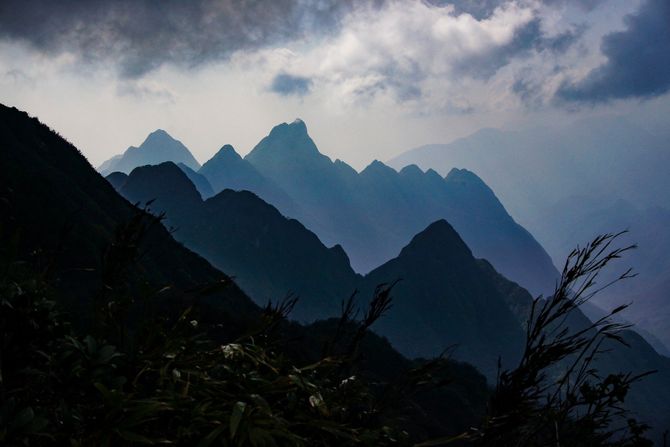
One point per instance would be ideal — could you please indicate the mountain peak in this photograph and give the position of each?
(283, 141)
(227, 152)
(159, 182)
(438, 237)
(156, 148)
(297, 128)
(463, 175)
(412, 170)
(378, 168)
(158, 136)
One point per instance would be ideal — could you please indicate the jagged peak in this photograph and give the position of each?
(411, 170)
(158, 135)
(169, 174)
(377, 167)
(227, 151)
(286, 139)
(433, 174)
(464, 176)
(296, 128)
(163, 168)
(439, 235)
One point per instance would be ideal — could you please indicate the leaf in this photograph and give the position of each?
(134, 437)
(212, 436)
(107, 353)
(24, 417)
(236, 417)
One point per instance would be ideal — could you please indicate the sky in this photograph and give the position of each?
(371, 78)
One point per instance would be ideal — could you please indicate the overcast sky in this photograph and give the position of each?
(370, 78)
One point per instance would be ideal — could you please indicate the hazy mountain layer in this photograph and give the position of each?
(569, 184)
(373, 214)
(227, 170)
(158, 147)
(269, 255)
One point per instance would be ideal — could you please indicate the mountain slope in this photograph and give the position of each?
(57, 213)
(227, 170)
(533, 169)
(65, 212)
(443, 299)
(582, 218)
(373, 214)
(200, 181)
(269, 255)
(158, 147)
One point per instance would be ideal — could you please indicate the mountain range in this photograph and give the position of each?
(443, 299)
(57, 204)
(374, 213)
(156, 148)
(58, 213)
(568, 184)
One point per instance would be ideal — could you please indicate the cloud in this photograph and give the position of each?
(638, 60)
(430, 57)
(285, 84)
(139, 36)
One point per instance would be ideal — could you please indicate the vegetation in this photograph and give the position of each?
(556, 395)
(136, 376)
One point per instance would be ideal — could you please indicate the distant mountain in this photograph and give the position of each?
(373, 214)
(444, 297)
(200, 181)
(268, 254)
(117, 179)
(531, 170)
(227, 170)
(448, 299)
(569, 184)
(158, 147)
(443, 300)
(583, 217)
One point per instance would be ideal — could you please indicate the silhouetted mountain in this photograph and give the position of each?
(158, 147)
(200, 181)
(269, 255)
(444, 300)
(59, 214)
(227, 170)
(374, 213)
(117, 179)
(67, 214)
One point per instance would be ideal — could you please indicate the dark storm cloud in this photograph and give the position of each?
(482, 9)
(286, 85)
(638, 60)
(526, 39)
(141, 35)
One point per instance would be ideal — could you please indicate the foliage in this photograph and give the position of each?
(556, 396)
(136, 376)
